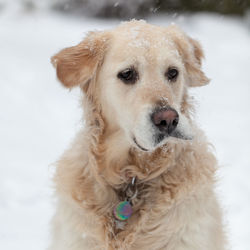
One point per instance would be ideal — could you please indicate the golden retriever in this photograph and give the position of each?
(141, 174)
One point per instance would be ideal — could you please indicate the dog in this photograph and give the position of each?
(140, 174)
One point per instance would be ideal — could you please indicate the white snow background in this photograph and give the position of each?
(38, 117)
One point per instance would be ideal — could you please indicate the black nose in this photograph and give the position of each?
(165, 119)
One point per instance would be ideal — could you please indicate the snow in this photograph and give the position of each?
(39, 117)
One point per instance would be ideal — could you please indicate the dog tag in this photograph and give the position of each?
(123, 210)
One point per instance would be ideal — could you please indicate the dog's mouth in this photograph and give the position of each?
(160, 138)
(138, 145)
(175, 134)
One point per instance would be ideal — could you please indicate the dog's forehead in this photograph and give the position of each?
(140, 38)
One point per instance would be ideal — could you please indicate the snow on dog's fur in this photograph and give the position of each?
(176, 207)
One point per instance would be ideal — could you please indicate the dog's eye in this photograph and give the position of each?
(128, 76)
(172, 74)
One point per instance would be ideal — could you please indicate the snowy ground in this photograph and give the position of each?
(38, 117)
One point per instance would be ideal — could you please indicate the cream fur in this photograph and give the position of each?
(176, 208)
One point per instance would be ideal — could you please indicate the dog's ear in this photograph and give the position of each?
(192, 55)
(77, 65)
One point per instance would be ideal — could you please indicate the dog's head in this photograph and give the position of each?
(138, 75)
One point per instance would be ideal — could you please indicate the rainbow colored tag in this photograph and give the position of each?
(123, 210)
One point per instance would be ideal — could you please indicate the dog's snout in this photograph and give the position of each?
(165, 120)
